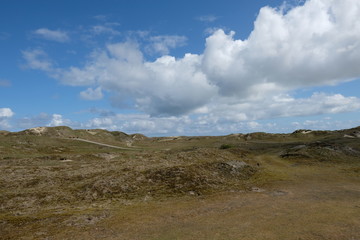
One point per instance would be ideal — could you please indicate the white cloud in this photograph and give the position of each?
(164, 87)
(101, 17)
(282, 106)
(182, 125)
(6, 113)
(143, 123)
(104, 29)
(4, 124)
(234, 80)
(211, 124)
(92, 94)
(310, 45)
(58, 120)
(253, 124)
(162, 44)
(53, 35)
(41, 119)
(325, 124)
(207, 18)
(38, 59)
(101, 112)
(222, 118)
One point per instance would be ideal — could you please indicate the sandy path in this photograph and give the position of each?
(103, 144)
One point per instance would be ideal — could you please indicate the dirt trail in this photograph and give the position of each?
(105, 145)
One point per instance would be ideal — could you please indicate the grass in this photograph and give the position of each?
(230, 187)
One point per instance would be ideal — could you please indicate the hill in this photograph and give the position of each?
(58, 183)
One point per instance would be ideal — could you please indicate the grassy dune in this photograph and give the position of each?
(303, 185)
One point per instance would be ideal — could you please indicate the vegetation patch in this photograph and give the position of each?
(50, 180)
(226, 146)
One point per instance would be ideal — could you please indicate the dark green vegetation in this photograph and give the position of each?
(59, 183)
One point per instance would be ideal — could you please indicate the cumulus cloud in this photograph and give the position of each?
(279, 106)
(324, 124)
(41, 119)
(196, 125)
(53, 35)
(5, 114)
(101, 17)
(104, 29)
(207, 18)
(166, 86)
(162, 44)
(92, 94)
(220, 118)
(314, 44)
(4, 124)
(143, 123)
(102, 112)
(38, 59)
(233, 80)
(58, 120)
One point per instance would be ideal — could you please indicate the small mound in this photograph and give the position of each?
(61, 131)
(3, 132)
(321, 151)
(193, 179)
(138, 136)
(199, 177)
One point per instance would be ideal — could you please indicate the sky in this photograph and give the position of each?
(170, 68)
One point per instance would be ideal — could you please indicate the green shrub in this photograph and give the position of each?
(226, 146)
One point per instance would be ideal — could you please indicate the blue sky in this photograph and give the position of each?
(180, 67)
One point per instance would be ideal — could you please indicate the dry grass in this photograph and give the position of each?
(262, 187)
